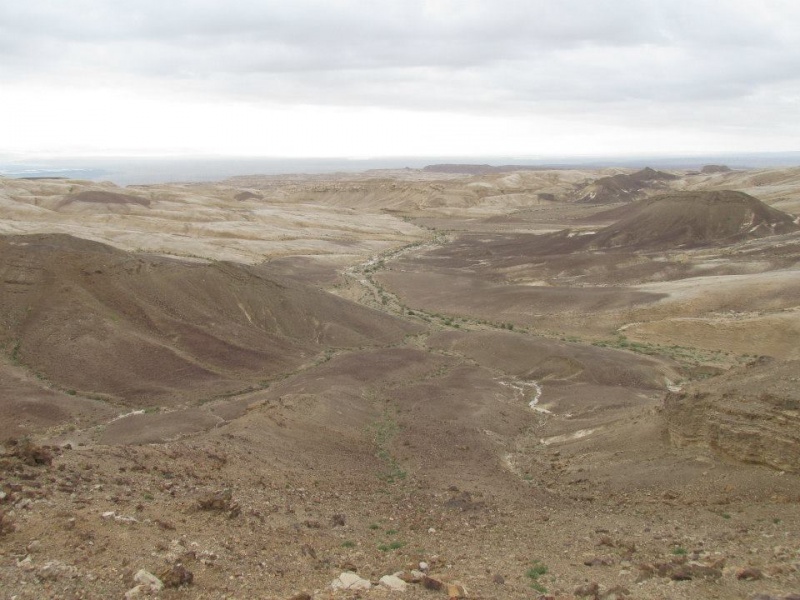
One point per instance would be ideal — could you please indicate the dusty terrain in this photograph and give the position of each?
(492, 383)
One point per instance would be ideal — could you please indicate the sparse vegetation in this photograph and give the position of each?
(383, 432)
(534, 574)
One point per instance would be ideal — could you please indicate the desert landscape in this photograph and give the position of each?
(462, 381)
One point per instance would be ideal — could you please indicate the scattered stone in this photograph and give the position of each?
(423, 566)
(147, 581)
(678, 570)
(6, 524)
(176, 576)
(118, 518)
(350, 581)
(588, 590)
(221, 502)
(749, 574)
(456, 590)
(431, 583)
(393, 583)
(55, 569)
(616, 593)
(29, 453)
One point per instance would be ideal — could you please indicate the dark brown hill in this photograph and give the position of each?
(140, 328)
(622, 187)
(687, 219)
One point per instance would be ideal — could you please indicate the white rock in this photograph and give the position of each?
(393, 583)
(350, 581)
(423, 566)
(136, 592)
(146, 578)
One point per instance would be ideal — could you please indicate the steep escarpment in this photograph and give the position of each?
(751, 414)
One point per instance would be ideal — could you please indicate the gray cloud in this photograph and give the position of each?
(569, 56)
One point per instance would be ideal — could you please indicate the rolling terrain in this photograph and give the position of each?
(487, 381)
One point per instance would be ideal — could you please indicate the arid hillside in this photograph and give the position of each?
(455, 382)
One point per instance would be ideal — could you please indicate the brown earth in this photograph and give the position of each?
(366, 372)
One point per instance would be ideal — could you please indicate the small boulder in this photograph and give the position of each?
(350, 581)
(176, 576)
(148, 580)
(393, 583)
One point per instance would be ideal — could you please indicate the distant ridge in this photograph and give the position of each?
(467, 169)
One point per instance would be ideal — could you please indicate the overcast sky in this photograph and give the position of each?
(368, 78)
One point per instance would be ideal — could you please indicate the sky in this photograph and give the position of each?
(372, 78)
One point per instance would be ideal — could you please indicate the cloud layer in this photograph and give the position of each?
(731, 67)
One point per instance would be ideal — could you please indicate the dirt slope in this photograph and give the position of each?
(139, 328)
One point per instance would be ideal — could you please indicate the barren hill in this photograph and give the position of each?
(686, 219)
(138, 328)
(622, 187)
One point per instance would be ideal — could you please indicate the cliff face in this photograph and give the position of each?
(750, 414)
